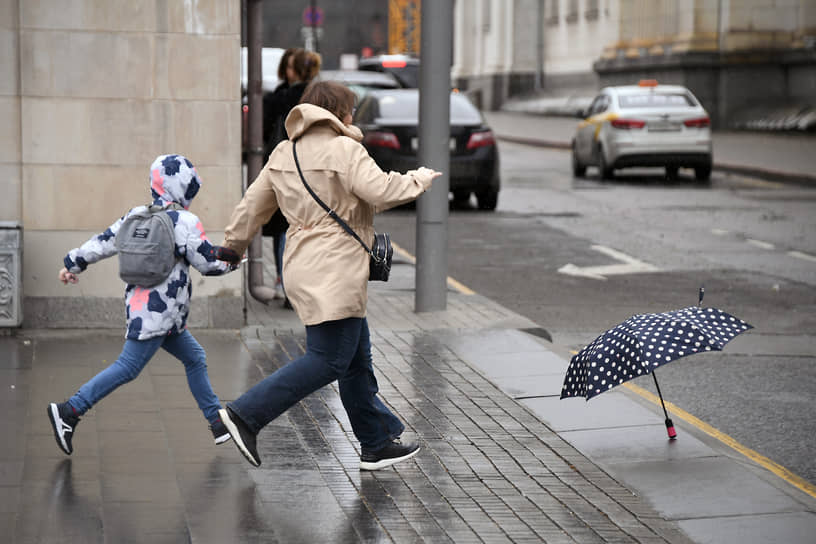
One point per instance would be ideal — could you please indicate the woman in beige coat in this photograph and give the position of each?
(325, 270)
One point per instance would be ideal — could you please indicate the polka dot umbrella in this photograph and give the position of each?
(644, 342)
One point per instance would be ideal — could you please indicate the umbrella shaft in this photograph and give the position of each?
(659, 394)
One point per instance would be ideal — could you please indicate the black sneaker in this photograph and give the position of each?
(391, 453)
(243, 437)
(220, 432)
(63, 420)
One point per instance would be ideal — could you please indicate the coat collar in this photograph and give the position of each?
(304, 116)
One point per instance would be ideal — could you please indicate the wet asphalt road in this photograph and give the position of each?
(749, 242)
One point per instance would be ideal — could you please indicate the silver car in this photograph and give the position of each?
(644, 125)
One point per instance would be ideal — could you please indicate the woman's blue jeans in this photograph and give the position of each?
(335, 350)
(135, 356)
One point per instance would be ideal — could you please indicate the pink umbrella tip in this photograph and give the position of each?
(670, 429)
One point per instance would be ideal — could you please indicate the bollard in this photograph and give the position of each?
(11, 280)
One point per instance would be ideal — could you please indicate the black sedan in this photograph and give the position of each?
(389, 120)
(360, 82)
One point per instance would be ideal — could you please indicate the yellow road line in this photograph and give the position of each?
(459, 287)
(404, 253)
(775, 468)
(451, 282)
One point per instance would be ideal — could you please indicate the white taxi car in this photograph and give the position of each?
(644, 125)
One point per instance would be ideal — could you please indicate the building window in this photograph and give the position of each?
(572, 11)
(592, 11)
(552, 12)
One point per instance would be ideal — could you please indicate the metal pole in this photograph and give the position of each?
(254, 91)
(255, 158)
(539, 73)
(434, 134)
(313, 5)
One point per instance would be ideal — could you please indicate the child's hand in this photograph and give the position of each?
(226, 254)
(67, 277)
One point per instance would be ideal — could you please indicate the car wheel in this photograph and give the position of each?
(671, 172)
(607, 172)
(488, 199)
(703, 173)
(461, 197)
(578, 169)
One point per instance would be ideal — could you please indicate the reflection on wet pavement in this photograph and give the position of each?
(145, 469)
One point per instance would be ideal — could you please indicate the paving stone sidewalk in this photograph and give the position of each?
(145, 469)
(489, 469)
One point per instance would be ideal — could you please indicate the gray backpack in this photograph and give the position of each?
(147, 246)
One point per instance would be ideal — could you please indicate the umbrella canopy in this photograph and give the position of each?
(644, 342)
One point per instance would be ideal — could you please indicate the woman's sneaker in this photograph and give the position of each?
(393, 452)
(219, 431)
(63, 420)
(245, 439)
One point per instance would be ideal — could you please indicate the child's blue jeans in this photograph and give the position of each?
(135, 356)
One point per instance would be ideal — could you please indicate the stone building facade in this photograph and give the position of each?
(91, 91)
(506, 48)
(739, 57)
(742, 58)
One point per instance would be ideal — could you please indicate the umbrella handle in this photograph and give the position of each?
(670, 429)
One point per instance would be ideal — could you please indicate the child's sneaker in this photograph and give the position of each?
(64, 420)
(279, 290)
(220, 432)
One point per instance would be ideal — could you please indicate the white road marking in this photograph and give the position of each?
(769, 246)
(760, 244)
(800, 255)
(630, 265)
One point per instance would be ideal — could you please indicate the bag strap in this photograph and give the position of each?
(323, 205)
(153, 208)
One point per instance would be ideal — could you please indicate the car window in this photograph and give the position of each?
(599, 105)
(656, 100)
(366, 111)
(372, 80)
(591, 109)
(406, 71)
(407, 75)
(403, 107)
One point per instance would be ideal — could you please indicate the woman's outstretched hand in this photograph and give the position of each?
(427, 171)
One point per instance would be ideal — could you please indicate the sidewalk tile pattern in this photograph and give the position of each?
(145, 469)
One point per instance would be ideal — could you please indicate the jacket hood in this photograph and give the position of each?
(173, 178)
(304, 116)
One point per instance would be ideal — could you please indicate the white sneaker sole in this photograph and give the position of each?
(56, 424)
(221, 439)
(236, 437)
(377, 465)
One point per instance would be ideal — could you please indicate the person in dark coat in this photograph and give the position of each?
(297, 69)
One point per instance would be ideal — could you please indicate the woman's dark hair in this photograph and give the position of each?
(330, 95)
(306, 64)
(284, 62)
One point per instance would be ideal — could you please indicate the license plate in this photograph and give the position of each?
(415, 144)
(663, 126)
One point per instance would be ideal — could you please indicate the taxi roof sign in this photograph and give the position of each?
(394, 63)
(647, 83)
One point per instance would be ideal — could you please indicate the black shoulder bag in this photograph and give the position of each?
(381, 251)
